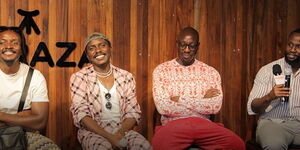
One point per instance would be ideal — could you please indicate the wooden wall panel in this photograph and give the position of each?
(237, 37)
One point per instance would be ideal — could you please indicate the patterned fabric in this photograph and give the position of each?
(87, 102)
(92, 141)
(39, 142)
(263, 84)
(190, 83)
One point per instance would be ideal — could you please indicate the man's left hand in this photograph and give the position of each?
(175, 98)
(212, 93)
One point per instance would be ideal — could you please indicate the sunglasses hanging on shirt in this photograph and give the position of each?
(108, 104)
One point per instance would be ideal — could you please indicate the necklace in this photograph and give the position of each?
(104, 75)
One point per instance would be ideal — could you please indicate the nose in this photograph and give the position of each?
(187, 49)
(8, 45)
(98, 49)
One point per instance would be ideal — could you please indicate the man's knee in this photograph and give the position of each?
(95, 143)
(137, 141)
(273, 145)
(236, 143)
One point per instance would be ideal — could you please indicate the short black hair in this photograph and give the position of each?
(296, 31)
(24, 47)
(189, 30)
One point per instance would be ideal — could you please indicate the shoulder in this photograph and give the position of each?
(267, 69)
(206, 68)
(163, 66)
(83, 71)
(122, 73)
(36, 75)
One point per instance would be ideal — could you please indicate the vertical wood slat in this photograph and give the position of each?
(121, 34)
(237, 38)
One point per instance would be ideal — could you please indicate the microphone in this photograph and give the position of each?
(288, 72)
(279, 80)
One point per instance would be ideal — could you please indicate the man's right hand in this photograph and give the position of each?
(115, 139)
(212, 93)
(279, 91)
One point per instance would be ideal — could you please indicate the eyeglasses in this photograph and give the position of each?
(191, 46)
(108, 104)
(291, 45)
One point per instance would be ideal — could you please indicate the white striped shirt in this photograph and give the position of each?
(263, 84)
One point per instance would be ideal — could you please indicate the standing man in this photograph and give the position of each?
(186, 92)
(13, 73)
(104, 104)
(279, 123)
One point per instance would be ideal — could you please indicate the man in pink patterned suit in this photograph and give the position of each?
(104, 104)
(186, 92)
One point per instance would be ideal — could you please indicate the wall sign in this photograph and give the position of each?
(29, 23)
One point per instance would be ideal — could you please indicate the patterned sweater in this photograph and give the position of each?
(190, 83)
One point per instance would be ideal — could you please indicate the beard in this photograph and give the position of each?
(9, 62)
(294, 63)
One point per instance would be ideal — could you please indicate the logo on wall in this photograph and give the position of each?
(29, 24)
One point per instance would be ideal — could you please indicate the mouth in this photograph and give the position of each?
(8, 52)
(186, 56)
(292, 56)
(100, 56)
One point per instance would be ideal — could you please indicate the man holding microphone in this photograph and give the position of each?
(277, 102)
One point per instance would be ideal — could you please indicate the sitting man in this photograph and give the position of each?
(104, 104)
(279, 122)
(13, 73)
(186, 92)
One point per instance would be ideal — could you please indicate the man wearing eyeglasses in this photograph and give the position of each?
(104, 104)
(279, 122)
(186, 92)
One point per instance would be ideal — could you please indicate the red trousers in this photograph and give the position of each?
(181, 133)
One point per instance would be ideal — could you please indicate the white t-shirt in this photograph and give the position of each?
(114, 112)
(11, 87)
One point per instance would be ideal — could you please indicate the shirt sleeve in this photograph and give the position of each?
(39, 87)
(132, 108)
(260, 88)
(206, 105)
(79, 106)
(164, 104)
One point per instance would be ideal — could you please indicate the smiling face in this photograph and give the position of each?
(292, 53)
(10, 47)
(98, 52)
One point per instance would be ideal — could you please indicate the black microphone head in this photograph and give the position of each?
(277, 69)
